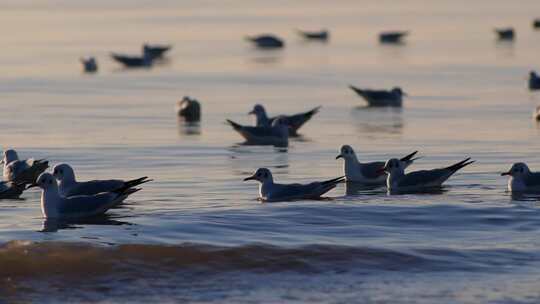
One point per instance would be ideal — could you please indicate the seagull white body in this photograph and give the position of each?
(522, 179)
(272, 192)
(295, 121)
(398, 180)
(366, 173)
(276, 135)
(54, 205)
(21, 171)
(69, 186)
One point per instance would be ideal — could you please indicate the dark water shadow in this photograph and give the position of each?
(525, 196)
(425, 191)
(505, 48)
(352, 189)
(188, 128)
(55, 225)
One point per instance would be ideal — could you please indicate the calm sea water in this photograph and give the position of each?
(197, 233)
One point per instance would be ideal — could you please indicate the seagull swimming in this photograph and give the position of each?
(505, 33)
(22, 171)
(10, 190)
(69, 186)
(89, 64)
(293, 121)
(381, 98)
(267, 41)
(534, 81)
(272, 192)
(276, 135)
(392, 36)
(522, 179)
(321, 35)
(398, 181)
(189, 108)
(146, 60)
(54, 205)
(367, 173)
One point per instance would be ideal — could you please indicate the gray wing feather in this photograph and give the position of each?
(424, 177)
(95, 187)
(371, 170)
(533, 179)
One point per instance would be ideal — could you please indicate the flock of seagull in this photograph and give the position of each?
(63, 197)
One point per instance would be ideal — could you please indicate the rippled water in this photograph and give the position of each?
(197, 233)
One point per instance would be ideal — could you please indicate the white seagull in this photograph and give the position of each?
(367, 173)
(522, 179)
(398, 181)
(293, 121)
(272, 192)
(56, 206)
(277, 134)
(22, 171)
(69, 186)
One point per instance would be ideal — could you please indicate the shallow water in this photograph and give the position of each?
(197, 233)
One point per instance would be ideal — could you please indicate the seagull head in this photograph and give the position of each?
(258, 109)
(518, 170)
(9, 156)
(45, 181)
(262, 175)
(393, 165)
(532, 74)
(398, 91)
(346, 152)
(63, 173)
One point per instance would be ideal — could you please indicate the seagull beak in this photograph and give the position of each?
(339, 156)
(249, 178)
(505, 173)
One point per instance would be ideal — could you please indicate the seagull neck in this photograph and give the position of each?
(50, 201)
(262, 119)
(393, 178)
(264, 187)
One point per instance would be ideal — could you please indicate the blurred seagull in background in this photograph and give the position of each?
(367, 173)
(505, 33)
(294, 122)
(397, 181)
(321, 35)
(22, 171)
(189, 108)
(89, 64)
(10, 190)
(69, 186)
(155, 51)
(144, 61)
(266, 41)
(277, 134)
(534, 81)
(272, 192)
(392, 36)
(381, 98)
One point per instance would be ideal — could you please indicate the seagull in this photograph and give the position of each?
(367, 173)
(505, 33)
(10, 190)
(277, 134)
(22, 171)
(294, 121)
(155, 51)
(146, 60)
(69, 186)
(271, 192)
(392, 36)
(381, 98)
(322, 35)
(89, 64)
(266, 41)
(56, 206)
(534, 81)
(522, 179)
(189, 108)
(398, 181)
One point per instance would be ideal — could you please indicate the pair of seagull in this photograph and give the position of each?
(63, 197)
(269, 41)
(18, 173)
(272, 130)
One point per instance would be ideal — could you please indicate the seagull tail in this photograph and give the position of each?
(334, 181)
(313, 111)
(355, 89)
(234, 124)
(461, 164)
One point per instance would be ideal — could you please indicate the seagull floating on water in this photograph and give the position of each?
(522, 179)
(146, 60)
(392, 36)
(367, 173)
(69, 186)
(505, 33)
(276, 135)
(266, 41)
(89, 64)
(293, 121)
(22, 171)
(322, 35)
(534, 81)
(56, 206)
(189, 108)
(272, 192)
(155, 51)
(381, 98)
(398, 181)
